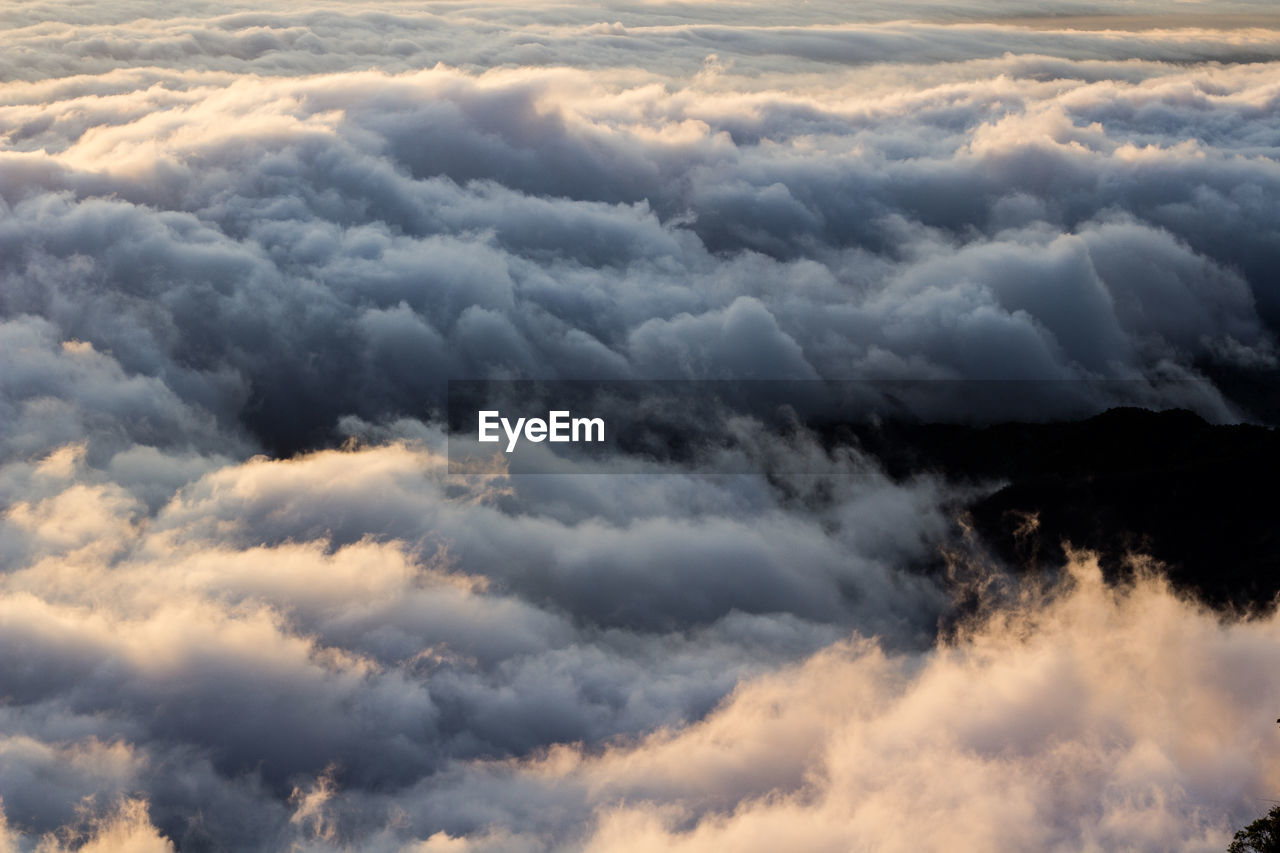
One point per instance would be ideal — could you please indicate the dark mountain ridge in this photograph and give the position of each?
(1203, 499)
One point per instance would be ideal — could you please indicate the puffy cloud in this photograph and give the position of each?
(266, 231)
(1094, 716)
(281, 253)
(364, 610)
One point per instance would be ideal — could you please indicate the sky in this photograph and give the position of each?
(246, 604)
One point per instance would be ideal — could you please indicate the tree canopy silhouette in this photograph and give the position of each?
(1261, 836)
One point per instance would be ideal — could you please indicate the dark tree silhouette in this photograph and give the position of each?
(1261, 836)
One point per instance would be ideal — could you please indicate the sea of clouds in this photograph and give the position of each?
(244, 605)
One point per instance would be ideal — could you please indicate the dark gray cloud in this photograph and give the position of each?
(263, 231)
(375, 235)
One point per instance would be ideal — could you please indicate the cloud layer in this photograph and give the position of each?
(242, 251)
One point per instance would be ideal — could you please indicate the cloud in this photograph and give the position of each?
(1095, 716)
(276, 617)
(282, 252)
(53, 39)
(235, 241)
